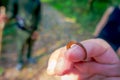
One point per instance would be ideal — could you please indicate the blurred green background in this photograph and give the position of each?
(87, 13)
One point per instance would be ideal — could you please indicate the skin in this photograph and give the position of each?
(35, 35)
(102, 63)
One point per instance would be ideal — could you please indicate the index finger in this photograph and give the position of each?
(96, 48)
(53, 61)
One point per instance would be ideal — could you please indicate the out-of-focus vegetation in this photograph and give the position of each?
(87, 13)
(1, 70)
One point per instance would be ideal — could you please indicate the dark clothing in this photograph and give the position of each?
(4, 3)
(29, 42)
(111, 31)
(26, 16)
(27, 10)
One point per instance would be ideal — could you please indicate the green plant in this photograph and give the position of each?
(1, 70)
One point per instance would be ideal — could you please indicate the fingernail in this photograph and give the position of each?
(51, 67)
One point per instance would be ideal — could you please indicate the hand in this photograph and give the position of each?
(35, 35)
(3, 16)
(102, 63)
(3, 20)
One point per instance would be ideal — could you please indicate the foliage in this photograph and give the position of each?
(79, 11)
(1, 70)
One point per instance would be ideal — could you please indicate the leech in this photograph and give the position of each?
(69, 44)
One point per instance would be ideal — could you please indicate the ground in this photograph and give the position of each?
(56, 30)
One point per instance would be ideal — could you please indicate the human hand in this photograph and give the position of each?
(35, 35)
(102, 63)
(3, 17)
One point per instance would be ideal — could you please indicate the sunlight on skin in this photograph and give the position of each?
(63, 62)
(57, 63)
(58, 66)
(52, 62)
(50, 69)
(69, 77)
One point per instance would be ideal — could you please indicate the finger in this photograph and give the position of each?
(96, 68)
(53, 61)
(96, 48)
(101, 51)
(63, 65)
(73, 75)
(57, 63)
(112, 78)
(75, 53)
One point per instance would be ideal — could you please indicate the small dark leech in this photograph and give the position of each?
(69, 44)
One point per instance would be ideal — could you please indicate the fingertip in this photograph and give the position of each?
(51, 67)
(75, 53)
(52, 62)
(55, 61)
(62, 66)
